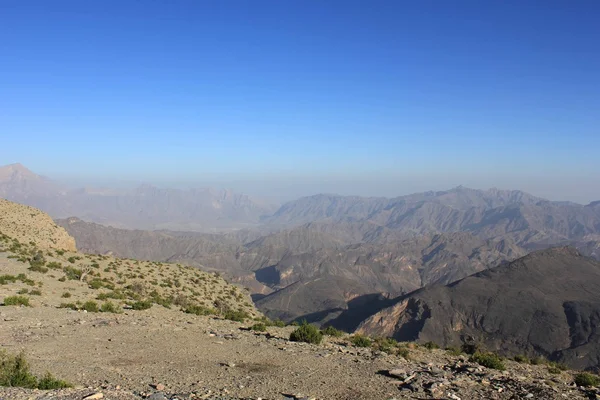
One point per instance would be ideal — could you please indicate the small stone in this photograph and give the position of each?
(397, 373)
(160, 387)
(94, 396)
(156, 396)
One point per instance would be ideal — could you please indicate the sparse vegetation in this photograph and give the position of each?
(90, 306)
(16, 301)
(488, 360)
(431, 345)
(306, 333)
(14, 372)
(520, 358)
(586, 379)
(331, 331)
(454, 351)
(259, 327)
(109, 307)
(361, 341)
(141, 305)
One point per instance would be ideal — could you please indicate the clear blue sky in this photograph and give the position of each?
(364, 97)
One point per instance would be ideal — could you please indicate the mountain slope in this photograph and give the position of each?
(28, 224)
(545, 303)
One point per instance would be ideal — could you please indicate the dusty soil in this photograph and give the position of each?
(204, 357)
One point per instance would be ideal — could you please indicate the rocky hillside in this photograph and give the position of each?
(28, 224)
(292, 261)
(544, 304)
(39, 268)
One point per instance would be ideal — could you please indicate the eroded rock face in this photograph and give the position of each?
(28, 224)
(546, 303)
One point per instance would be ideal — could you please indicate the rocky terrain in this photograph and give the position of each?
(545, 304)
(295, 262)
(28, 224)
(127, 329)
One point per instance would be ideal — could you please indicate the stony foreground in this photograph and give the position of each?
(163, 354)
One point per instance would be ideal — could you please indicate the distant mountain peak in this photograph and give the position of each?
(16, 170)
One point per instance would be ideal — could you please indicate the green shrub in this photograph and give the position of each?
(538, 361)
(197, 309)
(23, 291)
(277, 322)
(306, 333)
(260, 327)
(35, 292)
(96, 284)
(54, 265)
(387, 345)
(558, 366)
(72, 259)
(141, 305)
(110, 308)
(331, 331)
(520, 358)
(66, 295)
(90, 306)
(48, 382)
(488, 360)
(554, 370)
(60, 252)
(14, 372)
(71, 273)
(360, 341)
(586, 379)
(431, 345)
(404, 352)
(238, 316)
(38, 268)
(16, 301)
(454, 351)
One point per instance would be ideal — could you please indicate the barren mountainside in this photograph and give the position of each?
(545, 303)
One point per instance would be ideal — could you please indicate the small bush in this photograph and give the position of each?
(110, 308)
(238, 316)
(54, 265)
(199, 310)
(141, 305)
(586, 379)
(14, 372)
(306, 333)
(520, 358)
(48, 382)
(23, 291)
(454, 351)
(558, 366)
(488, 360)
(331, 331)
(66, 295)
(90, 306)
(538, 361)
(404, 353)
(35, 292)
(260, 327)
(360, 341)
(16, 301)
(38, 268)
(431, 345)
(554, 370)
(387, 345)
(277, 322)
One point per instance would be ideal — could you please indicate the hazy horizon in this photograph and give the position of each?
(285, 99)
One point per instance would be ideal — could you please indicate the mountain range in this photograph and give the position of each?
(144, 207)
(326, 257)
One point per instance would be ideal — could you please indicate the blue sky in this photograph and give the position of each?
(284, 98)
